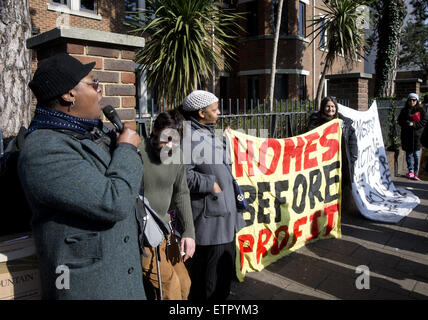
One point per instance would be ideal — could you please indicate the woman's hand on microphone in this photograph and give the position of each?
(129, 135)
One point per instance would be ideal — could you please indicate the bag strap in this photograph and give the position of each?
(228, 169)
(166, 228)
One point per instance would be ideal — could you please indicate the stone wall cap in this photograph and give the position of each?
(85, 35)
(349, 75)
(409, 80)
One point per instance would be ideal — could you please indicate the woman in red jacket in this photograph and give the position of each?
(412, 120)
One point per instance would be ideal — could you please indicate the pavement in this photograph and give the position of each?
(396, 256)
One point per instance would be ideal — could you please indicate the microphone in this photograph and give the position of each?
(113, 117)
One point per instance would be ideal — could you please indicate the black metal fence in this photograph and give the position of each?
(384, 109)
(288, 118)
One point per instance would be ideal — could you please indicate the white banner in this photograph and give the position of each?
(374, 192)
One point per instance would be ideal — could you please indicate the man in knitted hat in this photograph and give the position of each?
(81, 183)
(215, 215)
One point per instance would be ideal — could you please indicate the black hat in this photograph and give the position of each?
(57, 75)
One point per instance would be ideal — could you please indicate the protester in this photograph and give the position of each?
(412, 120)
(165, 188)
(81, 183)
(213, 202)
(329, 110)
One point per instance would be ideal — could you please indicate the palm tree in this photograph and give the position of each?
(179, 51)
(340, 24)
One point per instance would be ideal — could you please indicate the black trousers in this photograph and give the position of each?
(211, 271)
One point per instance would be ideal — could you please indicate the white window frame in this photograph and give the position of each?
(305, 6)
(324, 36)
(73, 8)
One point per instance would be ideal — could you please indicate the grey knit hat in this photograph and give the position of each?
(198, 99)
(413, 95)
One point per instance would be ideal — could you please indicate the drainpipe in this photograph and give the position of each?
(313, 52)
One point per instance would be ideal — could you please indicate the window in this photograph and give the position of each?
(281, 87)
(302, 19)
(74, 6)
(88, 5)
(284, 15)
(251, 10)
(323, 37)
(63, 2)
(302, 87)
(133, 5)
(253, 88)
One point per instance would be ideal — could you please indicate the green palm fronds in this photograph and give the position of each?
(179, 51)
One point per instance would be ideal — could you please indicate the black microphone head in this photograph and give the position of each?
(108, 110)
(113, 117)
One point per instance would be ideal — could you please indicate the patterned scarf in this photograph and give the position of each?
(54, 119)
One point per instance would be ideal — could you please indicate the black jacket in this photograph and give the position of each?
(349, 137)
(411, 135)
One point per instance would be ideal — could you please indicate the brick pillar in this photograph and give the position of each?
(114, 55)
(351, 86)
(405, 86)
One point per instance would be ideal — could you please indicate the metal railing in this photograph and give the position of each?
(384, 109)
(288, 118)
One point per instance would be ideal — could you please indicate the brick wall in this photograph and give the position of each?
(294, 52)
(114, 69)
(111, 12)
(353, 87)
(405, 86)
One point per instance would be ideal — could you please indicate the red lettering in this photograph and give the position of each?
(332, 144)
(275, 249)
(246, 244)
(329, 212)
(276, 147)
(296, 230)
(261, 250)
(310, 147)
(290, 150)
(241, 156)
(313, 218)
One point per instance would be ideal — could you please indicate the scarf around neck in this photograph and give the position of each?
(54, 119)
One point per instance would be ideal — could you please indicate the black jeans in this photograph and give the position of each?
(211, 271)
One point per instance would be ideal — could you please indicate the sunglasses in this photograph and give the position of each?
(94, 84)
(412, 99)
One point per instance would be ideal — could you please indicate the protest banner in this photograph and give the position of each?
(292, 187)
(374, 192)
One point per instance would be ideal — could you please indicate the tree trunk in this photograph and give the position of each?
(15, 67)
(274, 53)
(389, 30)
(393, 75)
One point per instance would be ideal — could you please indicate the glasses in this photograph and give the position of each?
(94, 84)
(413, 99)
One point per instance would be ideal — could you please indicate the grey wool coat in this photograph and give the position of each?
(215, 215)
(82, 199)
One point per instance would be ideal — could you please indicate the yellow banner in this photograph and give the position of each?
(293, 190)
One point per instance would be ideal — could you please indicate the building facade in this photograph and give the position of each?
(299, 59)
